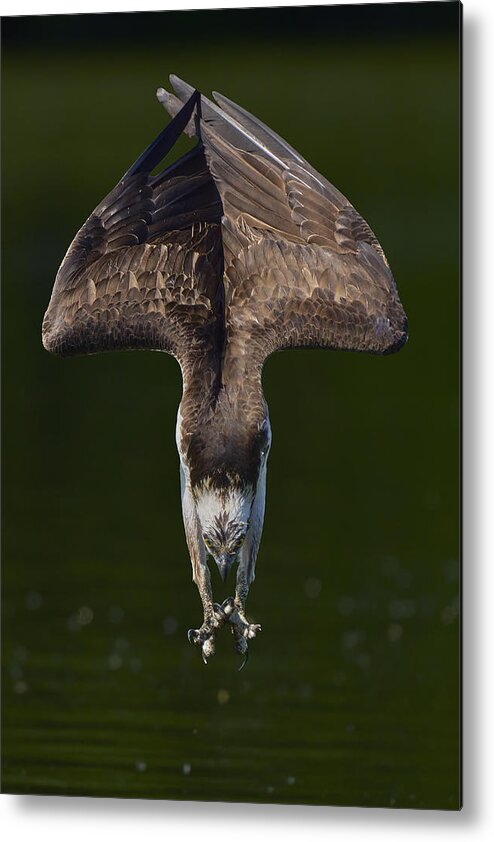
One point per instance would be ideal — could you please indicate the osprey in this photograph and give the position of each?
(238, 249)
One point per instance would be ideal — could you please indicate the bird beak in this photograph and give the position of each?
(223, 563)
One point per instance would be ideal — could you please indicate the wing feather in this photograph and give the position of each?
(145, 269)
(302, 267)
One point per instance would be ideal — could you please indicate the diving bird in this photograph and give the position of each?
(238, 249)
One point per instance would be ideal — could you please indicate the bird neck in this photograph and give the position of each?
(222, 386)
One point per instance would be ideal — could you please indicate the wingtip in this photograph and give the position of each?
(400, 340)
(221, 98)
(166, 100)
(180, 87)
(172, 104)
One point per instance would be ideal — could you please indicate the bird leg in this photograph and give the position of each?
(204, 636)
(214, 618)
(221, 616)
(232, 611)
(242, 630)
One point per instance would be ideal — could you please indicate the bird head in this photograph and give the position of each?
(224, 551)
(224, 514)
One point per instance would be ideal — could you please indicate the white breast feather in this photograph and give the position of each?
(235, 503)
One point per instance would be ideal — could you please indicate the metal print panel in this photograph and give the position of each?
(310, 207)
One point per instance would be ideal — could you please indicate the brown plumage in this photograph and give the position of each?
(302, 267)
(145, 269)
(237, 250)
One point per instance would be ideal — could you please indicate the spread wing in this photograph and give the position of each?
(145, 270)
(302, 268)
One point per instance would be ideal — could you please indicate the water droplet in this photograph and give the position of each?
(223, 697)
(395, 632)
(34, 601)
(352, 638)
(170, 625)
(290, 780)
(85, 615)
(186, 768)
(346, 605)
(313, 587)
(402, 609)
(115, 661)
(141, 766)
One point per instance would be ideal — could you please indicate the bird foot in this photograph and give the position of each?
(249, 630)
(224, 614)
(204, 637)
(242, 631)
(239, 621)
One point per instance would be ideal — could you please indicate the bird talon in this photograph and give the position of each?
(219, 615)
(241, 644)
(242, 648)
(246, 658)
(192, 635)
(228, 606)
(203, 637)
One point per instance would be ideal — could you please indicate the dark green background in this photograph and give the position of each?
(351, 695)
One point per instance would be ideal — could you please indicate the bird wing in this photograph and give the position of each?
(145, 270)
(302, 267)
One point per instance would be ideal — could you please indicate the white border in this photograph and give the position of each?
(77, 819)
